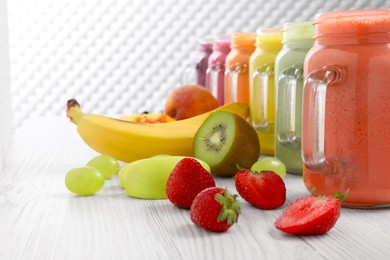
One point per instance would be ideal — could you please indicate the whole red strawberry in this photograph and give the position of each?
(187, 179)
(310, 215)
(215, 209)
(265, 189)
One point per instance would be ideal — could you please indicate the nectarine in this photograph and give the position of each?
(189, 100)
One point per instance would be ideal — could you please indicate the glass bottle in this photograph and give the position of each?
(215, 74)
(297, 40)
(195, 73)
(237, 66)
(346, 107)
(262, 89)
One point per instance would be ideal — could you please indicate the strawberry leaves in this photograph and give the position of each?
(215, 209)
(230, 207)
(339, 196)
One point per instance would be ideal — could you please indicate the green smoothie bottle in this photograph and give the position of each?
(297, 40)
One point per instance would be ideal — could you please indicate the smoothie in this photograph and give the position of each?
(262, 89)
(346, 107)
(236, 65)
(195, 72)
(297, 40)
(215, 75)
(205, 48)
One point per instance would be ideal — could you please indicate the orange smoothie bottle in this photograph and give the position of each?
(346, 107)
(236, 68)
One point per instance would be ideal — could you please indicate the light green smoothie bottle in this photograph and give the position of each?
(297, 40)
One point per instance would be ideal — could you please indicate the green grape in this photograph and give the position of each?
(84, 180)
(108, 165)
(270, 164)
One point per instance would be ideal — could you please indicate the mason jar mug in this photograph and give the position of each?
(236, 67)
(297, 38)
(215, 74)
(346, 107)
(262, 86)
(195, 72)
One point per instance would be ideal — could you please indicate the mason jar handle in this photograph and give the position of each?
(313, 145)
(260, 97)
(286, 119)
(188, 73)
(231, 74)
(212, 79)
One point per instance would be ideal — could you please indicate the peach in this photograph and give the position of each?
(189, 100)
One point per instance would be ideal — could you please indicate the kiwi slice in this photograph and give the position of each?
(226, 140)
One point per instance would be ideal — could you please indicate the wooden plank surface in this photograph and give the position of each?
(41, 219)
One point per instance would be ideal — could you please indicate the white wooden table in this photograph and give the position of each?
(41, 219)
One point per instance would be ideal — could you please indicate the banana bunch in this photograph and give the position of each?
(129, 141)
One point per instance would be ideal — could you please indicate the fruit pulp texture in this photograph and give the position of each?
(242, 47)
(290, 155)
(357, 120)
(220, 138)
(264, 56)
(205, 49)
(221, 49)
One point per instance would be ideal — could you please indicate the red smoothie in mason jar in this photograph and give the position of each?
(346, 107)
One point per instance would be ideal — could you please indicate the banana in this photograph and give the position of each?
(129, 141)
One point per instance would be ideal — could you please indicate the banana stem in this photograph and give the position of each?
(73, 111)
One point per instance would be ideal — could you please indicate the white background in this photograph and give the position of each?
(122, 57)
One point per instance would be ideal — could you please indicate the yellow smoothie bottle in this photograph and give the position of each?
(261, 86)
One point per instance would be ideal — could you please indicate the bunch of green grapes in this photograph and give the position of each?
(89, 179)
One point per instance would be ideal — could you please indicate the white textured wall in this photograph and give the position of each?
(5, 96)
(122, 57)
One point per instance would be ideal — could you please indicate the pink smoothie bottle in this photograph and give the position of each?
(346, 107)
(215, 74)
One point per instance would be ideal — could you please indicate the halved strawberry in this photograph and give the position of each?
(265, 189)
(310, 215)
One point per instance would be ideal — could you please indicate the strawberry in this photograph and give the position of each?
(187, 179)
(311, 215)
(215, 209)
(264, 190)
